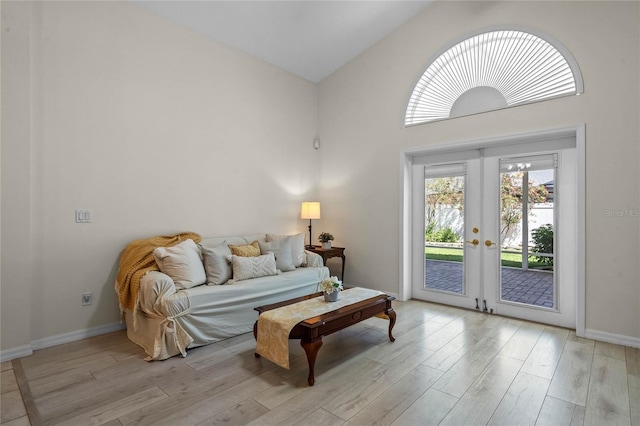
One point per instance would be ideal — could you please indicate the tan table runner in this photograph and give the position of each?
(275, 325)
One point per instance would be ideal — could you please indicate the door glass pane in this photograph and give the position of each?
(526, 233)
(444, 219)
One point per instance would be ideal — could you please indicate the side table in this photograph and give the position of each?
(328, 254)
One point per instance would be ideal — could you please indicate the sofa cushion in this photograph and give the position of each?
(282, 251)
(182, 263)
(216, 265)
(297, 247)
(245, 268)
(246, 250)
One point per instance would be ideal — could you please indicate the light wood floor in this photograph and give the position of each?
(447, 366)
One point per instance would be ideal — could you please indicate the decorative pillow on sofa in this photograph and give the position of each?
(182, 263)
(282, 251)
(298, 255)
(216, 265)
(245, 268)
(247, 250)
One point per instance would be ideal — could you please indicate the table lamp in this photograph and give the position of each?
(310, 210)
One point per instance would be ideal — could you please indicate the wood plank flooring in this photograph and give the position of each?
(447, 366)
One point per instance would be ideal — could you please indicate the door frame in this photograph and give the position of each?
(407, 157)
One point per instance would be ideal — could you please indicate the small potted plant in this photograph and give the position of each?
(331, 288)
(325, 238)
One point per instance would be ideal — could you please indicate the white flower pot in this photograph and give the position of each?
(326, 245)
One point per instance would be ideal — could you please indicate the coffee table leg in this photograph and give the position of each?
(311, 348)
(392, 321)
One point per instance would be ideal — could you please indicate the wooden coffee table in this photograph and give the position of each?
(312, 330)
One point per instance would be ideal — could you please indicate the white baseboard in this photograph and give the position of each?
(618, 339)
(47, 342)
(392, 294)
(13, 353)
(73, 336)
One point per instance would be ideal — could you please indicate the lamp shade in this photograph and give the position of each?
(310, 210)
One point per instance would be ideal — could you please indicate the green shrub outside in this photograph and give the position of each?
(543, 243)
(442, 235)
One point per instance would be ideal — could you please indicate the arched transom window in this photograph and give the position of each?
(493, 70)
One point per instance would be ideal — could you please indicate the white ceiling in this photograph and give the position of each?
(308, 38)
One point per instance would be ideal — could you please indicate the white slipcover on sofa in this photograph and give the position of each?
(166, 321)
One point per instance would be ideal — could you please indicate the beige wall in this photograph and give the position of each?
(15, 293)
(158, 130)
(361, 114)
(151, 126)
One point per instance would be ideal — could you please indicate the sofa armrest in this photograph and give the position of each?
(158, 299)
(314, 260)
(154, 286)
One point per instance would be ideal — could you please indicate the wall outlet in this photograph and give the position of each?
(87, 298)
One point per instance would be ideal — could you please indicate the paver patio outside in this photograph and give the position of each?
(530, 287)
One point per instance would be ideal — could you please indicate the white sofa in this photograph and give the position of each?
(166, 321)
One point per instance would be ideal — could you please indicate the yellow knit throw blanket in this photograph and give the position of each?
(137, 259)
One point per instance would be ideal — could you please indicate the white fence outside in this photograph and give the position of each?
(541, 214)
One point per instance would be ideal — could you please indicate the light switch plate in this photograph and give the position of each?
(83, 216)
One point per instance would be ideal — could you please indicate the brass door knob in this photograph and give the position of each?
(475, 242)
(489, 243)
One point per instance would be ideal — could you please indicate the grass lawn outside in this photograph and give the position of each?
(513, 260)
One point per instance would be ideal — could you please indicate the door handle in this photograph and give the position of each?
(489, 243)
(475, 242)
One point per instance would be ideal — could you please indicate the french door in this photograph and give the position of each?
(495, 230)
